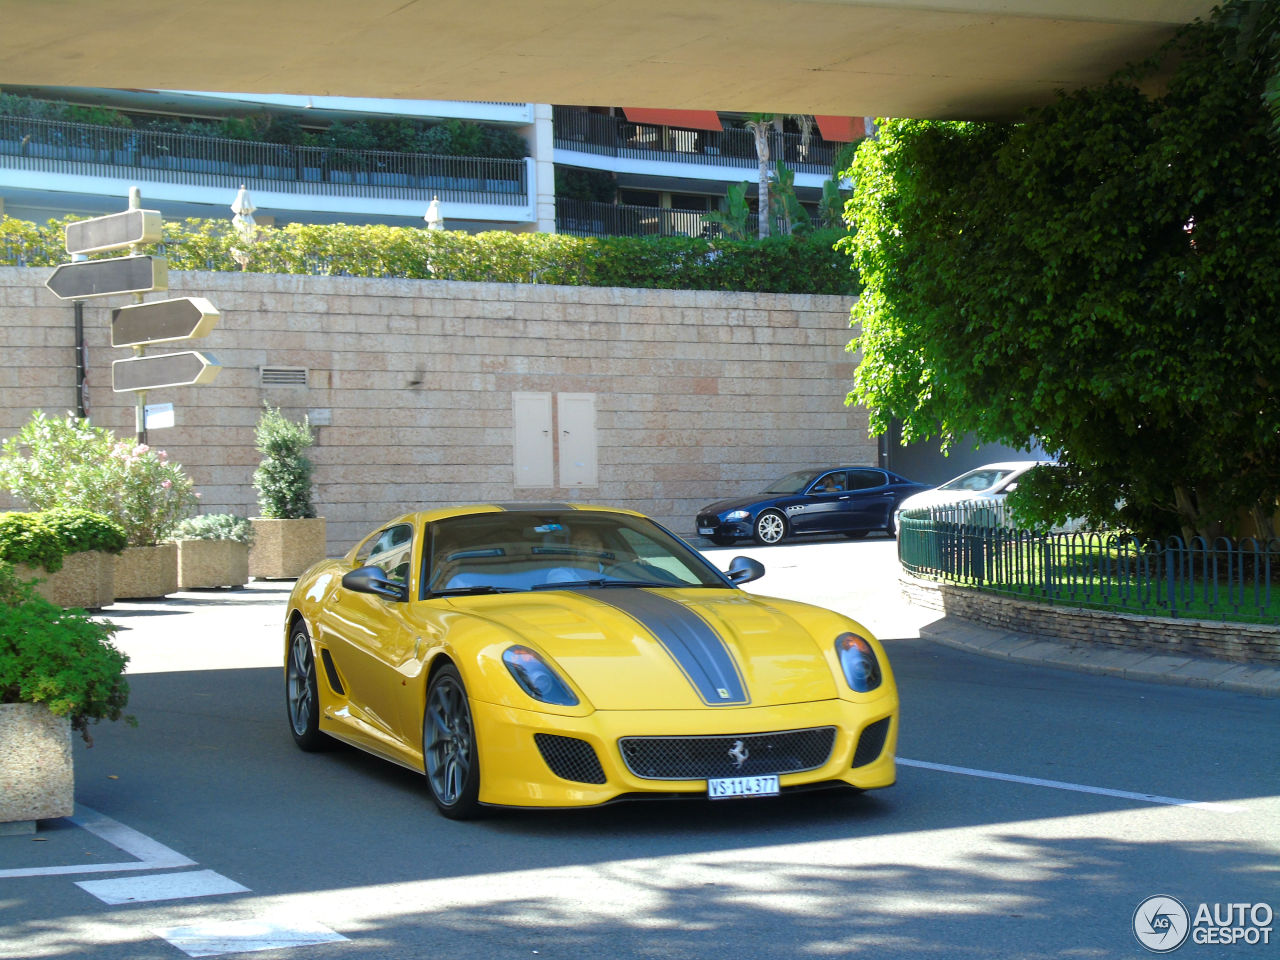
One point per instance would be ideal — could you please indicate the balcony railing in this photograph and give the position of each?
(586, 218)
(580, 130)
(90, 150)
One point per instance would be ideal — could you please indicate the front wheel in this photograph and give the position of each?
(302, 697)
(449, 747)
(770, 528)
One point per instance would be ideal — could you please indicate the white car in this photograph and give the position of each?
(990, 482)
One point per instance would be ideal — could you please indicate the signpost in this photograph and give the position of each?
(186, 369)
(139, 324)
(162, 321)
(107, 278)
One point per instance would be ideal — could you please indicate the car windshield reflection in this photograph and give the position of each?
(557, 550)
(791, 483)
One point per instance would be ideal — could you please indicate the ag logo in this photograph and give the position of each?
(1161, 924)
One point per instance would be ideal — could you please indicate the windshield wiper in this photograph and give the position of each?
(600, 582)
(469, 591)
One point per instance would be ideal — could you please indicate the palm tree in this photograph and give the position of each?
(759, 124)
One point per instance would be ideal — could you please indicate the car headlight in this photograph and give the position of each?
(536, 678)
(858, 662)
(737, 515)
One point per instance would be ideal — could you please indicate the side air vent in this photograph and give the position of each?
(570, 758)
(282, 376)
(331, 672)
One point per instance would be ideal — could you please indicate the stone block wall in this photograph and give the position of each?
(698, 395)
(1246, 643)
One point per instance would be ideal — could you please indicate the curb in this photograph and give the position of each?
(1150, 666)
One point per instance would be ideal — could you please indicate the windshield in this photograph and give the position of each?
(558, 549)
(984, 478)
(791, 483)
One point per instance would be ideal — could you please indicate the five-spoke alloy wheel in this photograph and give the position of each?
(449, 746)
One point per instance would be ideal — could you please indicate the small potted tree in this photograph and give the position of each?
(213, 551)
(69, 552)
(288, 537)
(59, 672)
(153, 496)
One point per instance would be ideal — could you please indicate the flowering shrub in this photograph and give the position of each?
(68, 462)
(154, 493)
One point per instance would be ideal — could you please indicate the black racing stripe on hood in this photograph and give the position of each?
(699, 652)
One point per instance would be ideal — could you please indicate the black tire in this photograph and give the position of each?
(301, 694)
(720, 540)
(856, 534)
(770, 528)
(449, 756)
(890, 529)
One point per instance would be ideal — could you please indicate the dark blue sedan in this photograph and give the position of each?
(849, 500)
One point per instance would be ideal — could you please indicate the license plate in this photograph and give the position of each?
(729, 787)
(706, 530)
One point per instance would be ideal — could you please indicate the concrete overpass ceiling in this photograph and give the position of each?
(940, 58)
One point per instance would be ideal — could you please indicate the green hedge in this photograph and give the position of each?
(795, 264)
(43, 538)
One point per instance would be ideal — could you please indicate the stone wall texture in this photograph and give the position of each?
(1243, 642)
(698, 395)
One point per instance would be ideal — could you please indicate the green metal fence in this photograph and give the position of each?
(978, 546)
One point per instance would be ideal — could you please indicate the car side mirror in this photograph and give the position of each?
(374, 580)
(744, 570)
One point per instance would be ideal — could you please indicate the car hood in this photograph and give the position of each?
(738, 503)
(935, 498)
(635, 649)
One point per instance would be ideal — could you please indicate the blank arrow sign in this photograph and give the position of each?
(104, 278)
(163, 370)
(114, 231)
(162, 321)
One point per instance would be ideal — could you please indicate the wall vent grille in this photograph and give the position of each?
(282, 376)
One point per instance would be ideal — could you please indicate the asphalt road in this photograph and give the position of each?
(209, 794)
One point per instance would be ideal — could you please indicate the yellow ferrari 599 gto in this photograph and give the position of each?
(548, 655)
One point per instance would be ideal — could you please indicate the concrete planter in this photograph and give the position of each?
(87, 579)
(147, 571)
(212, 563)
(35, 767)
(284, 549)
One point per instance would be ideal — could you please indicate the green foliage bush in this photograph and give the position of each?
(44, 538)
(1104, 276)
(797, 264)
(61, 658)
(215, 526)
(67, 462)
(283, 477)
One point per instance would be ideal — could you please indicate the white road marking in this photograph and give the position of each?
(241, 936)
(1076, 787)
(161, 886)
(151, 854)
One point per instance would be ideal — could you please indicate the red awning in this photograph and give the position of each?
(841, 129)
(689, 119)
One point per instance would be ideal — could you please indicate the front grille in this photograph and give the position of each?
(871, 742)
(703, 758)
(708, 521)
(569, 758)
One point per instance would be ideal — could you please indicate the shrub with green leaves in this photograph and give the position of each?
(44, 538)
(215, 526)
(283, 478)
(67, 462)
(61, 658)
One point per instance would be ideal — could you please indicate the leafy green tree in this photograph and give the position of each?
(1104, 277)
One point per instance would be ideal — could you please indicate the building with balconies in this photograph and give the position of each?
(586, 170)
